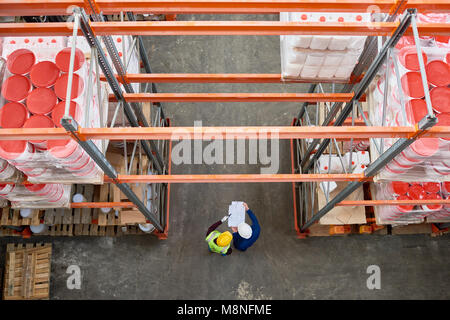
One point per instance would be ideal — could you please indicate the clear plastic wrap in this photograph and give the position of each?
(427, 159)
(404, 214)
(320, 57)
(355, 162)
(129, 55)
(45, 70)
(36, 195)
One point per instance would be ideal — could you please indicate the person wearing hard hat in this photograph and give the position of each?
(219, 242)
(244, 236)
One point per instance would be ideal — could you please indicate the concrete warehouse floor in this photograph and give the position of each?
(278, 266)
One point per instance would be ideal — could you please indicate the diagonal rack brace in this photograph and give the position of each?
(400, 145)
(146, 63)
(134, 115)
(362, 86)
(72, 127)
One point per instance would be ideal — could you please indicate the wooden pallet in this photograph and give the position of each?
(92, 230)
(12, 217)
(27, 271)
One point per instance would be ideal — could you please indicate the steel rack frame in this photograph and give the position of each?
(302, 157)
(90, 23)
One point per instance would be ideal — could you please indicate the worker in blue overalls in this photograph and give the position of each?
(244, 235)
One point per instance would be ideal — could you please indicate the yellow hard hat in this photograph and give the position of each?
(224, 239)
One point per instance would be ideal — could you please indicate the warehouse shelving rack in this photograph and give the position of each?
(89, 21)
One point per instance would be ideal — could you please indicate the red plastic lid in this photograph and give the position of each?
(425, 147)
(341, 19)
(20, 61)
(322, 19)
(61, 86)
(416, 192)
(443, 120)
(440, 99)
(443, 39)
(16, 88)
(44, 74)
(412, 85)
(13, 115)
(303, 17)
(405, 208)
(433, 196)
(83, 164)
(358, 17)
(35, 187)
(61, 149)
(38, 121)
(398, 164)
(12, 149)
(41, 101)
(416, 109)
(62, 59)
(400, 187)
(432, 187)
(58, 112)
(388, 168)
(438, 73)
(408, 58)
(447, 186)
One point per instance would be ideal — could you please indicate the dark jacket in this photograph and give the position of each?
(243, 244)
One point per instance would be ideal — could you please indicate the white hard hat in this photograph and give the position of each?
(244, 230)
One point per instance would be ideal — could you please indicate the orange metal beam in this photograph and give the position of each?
(205, 78)
(36, 29)
(227, 28)
(61, 7)
(102, 205)
(235, 97)
(222, 178)
(200, 78)
(206, 133)
(369, 203)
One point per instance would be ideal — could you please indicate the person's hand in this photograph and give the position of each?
(224, 218)
(245, 206)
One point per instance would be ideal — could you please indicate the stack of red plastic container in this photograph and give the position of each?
(399, 190)
(36, 94)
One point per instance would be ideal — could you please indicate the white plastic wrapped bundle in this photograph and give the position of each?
(330, 164)
(36, 195)
(42, 46)
(398, 190)
(333, 164)
(427, 158)
(6, 170)
(52, 160)
(321, 57)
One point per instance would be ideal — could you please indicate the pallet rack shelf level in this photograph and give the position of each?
(221, 28)
(59, 7)
(93, 24)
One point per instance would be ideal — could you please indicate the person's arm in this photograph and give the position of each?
(253, 218)
(213, 227)
(255, 225)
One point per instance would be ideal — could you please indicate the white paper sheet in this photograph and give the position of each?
(236, 210)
